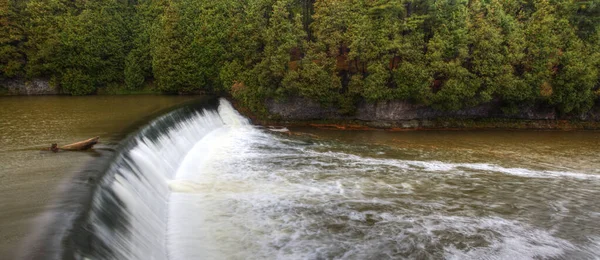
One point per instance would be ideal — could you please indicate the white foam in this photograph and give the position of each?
(439, 166)
(218, 188)
(279, 129)
(142, 182)
(592, 249)
(515, 240)
(195, 228)
(236, 200)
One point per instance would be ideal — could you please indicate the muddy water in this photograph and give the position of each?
(214, 186)
(29, 178)
(454, 194)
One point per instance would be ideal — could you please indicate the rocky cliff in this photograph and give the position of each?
(27, 87)
(404, 114)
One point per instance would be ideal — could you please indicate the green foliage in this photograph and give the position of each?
(173, 58)
(76, 82)
(448, 54)
(375, 84)
(135, 73)
(77, 43)
(412, 81)
(313, 81)
(12, 36)
(573, 83)
(138, 63)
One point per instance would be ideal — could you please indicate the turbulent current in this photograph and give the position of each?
(209, 185)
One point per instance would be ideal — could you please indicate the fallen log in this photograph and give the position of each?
(83, 145)
(79, 146)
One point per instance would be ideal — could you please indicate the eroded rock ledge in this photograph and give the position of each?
(22, 87)
(399, 114)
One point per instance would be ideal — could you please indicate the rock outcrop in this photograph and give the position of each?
(404, 114)
(28, 87)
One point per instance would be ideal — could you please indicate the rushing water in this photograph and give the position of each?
(212, 186)
(206, 184)
(29, 177)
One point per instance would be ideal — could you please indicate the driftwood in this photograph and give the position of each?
(83, 145)
(79, 146)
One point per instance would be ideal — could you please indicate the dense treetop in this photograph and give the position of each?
(448, 54)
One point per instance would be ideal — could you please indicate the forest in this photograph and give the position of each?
(446, 54)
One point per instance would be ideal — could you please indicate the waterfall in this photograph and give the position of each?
(205, 184)
(129, 212)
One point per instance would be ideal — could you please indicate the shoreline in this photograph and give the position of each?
(433, 124)
(439, 125)
(327, 119)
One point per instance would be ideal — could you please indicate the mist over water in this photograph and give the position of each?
(212, 186)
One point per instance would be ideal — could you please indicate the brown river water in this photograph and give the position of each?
(30, 178)
(210, 185)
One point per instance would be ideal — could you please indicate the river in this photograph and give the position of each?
(29, 178)
(204, 183)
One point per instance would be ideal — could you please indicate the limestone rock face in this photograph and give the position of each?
(399, 110)
(298, 108)
(302, 109)
(29, 87)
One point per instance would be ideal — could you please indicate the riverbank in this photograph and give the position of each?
(374, 177)
(395, 115)
(42, 87)
(405, 116)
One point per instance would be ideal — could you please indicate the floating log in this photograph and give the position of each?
(79, 146)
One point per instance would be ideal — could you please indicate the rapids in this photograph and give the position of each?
(209, 185)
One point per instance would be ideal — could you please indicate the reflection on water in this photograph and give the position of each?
(29, 177)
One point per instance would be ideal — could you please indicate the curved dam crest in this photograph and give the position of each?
(128, 216)
(203, 183)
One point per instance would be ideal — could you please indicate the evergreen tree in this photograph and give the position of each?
(448, 54)
(12, 37)
(454, 85)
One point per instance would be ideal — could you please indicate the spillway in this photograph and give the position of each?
(206, 184)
